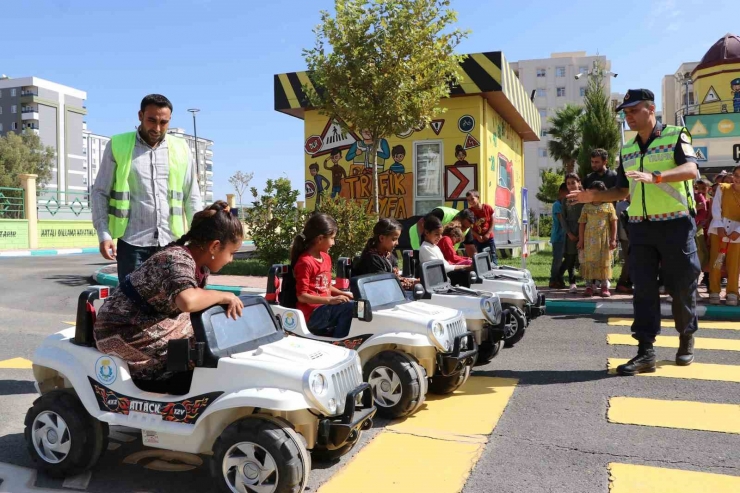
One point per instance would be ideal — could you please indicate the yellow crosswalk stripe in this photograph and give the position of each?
(697, 371)
(686, 415)
(433, 450)
(703, 324)
(672, 342)
(628, 478)
(16, 364)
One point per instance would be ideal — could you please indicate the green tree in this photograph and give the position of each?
(599, 124)
(355, 226)
(551, 181)
(274, 220)
(565, 133)
(24, 154)
(383, 66)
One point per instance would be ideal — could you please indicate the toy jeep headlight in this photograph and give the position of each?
(528, 292)
(491, 308)
(318, 384)
(437, 332)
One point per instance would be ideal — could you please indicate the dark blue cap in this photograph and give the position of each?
(635, 96)
(735, 82)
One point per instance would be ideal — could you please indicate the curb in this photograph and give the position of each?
(112, 281)
(45, 253)
(64, 251)
(562, 307)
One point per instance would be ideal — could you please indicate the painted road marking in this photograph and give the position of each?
(672, 342)
(697, 371)
(628, 478)
(78, 482)
(686, 415)
(703, 324)
(16, 364)
(435, 449)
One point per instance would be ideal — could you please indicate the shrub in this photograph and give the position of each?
(355, 226)
(545, 226)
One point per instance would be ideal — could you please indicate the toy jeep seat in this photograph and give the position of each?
(85, 321)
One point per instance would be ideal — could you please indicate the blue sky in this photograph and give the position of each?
(220, 56)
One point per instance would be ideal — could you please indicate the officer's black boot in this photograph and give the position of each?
(644, 362)
(685, 354)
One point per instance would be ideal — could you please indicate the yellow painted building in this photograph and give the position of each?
(477, 144)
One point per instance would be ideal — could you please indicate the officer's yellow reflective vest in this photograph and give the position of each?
(119, 205)
(657, 201)
(448, 214)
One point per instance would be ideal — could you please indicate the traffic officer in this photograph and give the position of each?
(657, 169)
(465, 217)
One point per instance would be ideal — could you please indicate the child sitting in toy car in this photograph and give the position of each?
(152, 305)
(378, 257)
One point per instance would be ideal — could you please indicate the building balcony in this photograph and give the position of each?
(30, 115)
(30, 92)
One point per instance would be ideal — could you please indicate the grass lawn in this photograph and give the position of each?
(539, 265)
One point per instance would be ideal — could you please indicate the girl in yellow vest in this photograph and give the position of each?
(724, 235)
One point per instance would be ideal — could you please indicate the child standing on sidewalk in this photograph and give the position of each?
(571, 214)
(597, 238)
(557, 239)
(724, 234)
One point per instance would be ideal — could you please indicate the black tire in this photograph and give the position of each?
(410, 387)
(441, 385)
(86, 435)
(487, 350)
(323, 455)
(272, 439)
(521, 326)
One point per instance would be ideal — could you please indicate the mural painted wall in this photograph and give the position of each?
(13, 234)
(717, 89)
(468, 147)
(66, 234)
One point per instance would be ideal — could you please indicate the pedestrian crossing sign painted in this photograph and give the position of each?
(711, 96)
(701, 154)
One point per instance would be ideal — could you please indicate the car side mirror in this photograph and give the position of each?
(418, 291)
(363, 311)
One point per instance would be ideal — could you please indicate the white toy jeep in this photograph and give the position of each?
(257, 399)
(489, 323)
(402, 343)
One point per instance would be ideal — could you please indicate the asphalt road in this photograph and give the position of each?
(552, 437)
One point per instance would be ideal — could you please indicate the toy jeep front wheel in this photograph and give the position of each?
(61, 436)
(518, 318)
(487, 350)
(257, 455)
(396, 383)
(447, 385)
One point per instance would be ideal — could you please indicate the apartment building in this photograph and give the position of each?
(555, 83)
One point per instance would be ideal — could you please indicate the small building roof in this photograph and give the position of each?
(725, 50)
(487, 74)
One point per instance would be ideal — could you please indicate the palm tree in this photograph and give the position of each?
(565, 131)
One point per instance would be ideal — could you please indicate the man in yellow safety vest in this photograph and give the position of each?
(145, 189)
(657, 169)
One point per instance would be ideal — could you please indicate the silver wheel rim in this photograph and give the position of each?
(249, 468)
(51, 437)
(386, 386)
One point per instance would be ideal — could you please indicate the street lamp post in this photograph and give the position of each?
(197, 157)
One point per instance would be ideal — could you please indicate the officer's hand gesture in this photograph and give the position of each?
(640, 176)
(580, 197)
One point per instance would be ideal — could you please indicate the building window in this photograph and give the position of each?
(1, 110)
(541, 93)
(428, 168)
(582, 70)
(542, 151)
(12, 93)
(14, 109)
(559, 71)
(14, 126)
(582, 91)
(543, 112)
(1, 127)
(561, 92)
(543, 133)
(541, 72)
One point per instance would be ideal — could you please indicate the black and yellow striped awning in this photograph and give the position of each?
(482, 74)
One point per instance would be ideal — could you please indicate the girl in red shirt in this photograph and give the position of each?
(452, 235)
(325, 307)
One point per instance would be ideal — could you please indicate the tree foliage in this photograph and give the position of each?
(383, 66)
(274, 220)
(565, 130)
(21, 154)
(551, 181)
(599, 124)
(355, 226)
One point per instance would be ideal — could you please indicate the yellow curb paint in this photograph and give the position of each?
(672, 342)
(16, 364)
(696, 371)
(432, 451)
(483, 400)
(685, 415)
(628, 478)
(703, 324)
(70, 323)
(398, 463)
